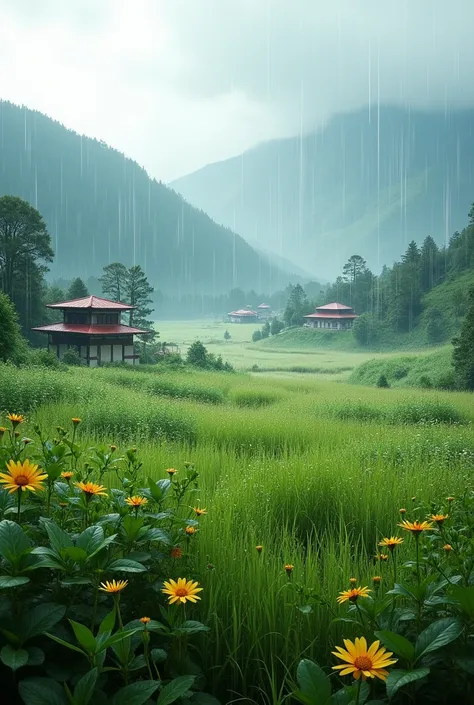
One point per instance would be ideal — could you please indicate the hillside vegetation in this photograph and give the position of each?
(421, 370)
(101, 207)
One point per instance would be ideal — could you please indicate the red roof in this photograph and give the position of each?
(93, 302)
(87, 329)
(328, 314)
(334, 307)
(243, 312)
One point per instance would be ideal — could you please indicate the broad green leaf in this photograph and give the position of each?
(85, 688)
(42, 691)
(39, 619)
(465, 597)
(437, 635)
(398, 679)
(35, 656)
(58, 538)
(74, 553)
(115, 638)
(90, 539)
(135, 694)
(313, 682)
(190, 627)
(131, 526)
(158, 535)
(10, 581)
(84, 636)
(398, 644)
(158, 655)
(465, 664)
(68, 582)
(403, 591)
(174, 690)
(13, 658)
(156, 491)
(341, 697)
(13, 541)
(125, 565)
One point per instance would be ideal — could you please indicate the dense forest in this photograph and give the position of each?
(101, 207)
(367, 181)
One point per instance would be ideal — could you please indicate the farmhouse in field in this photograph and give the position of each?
(91, 325)
(243, 315)
(264, 311)
(334, 316)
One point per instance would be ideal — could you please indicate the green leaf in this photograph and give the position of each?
(13, 541)
(10, 581)
(68, 582)
(84, 636)
(135, 694)
(190, 627)
(465, 597)
(156, 491)
(108, 623)
(58, 538)
(313, 683)
(158, 655)
(398, 644)
(341, 697)
(13, 658)
(115, 638)
(174, 690)
(125, 565)
(204, 699)
(74, 553)
(85, 687)
(437, 635)
(398, 679)
(39, 619)
(465, 664)
(65, 643)
(35, 656)
(42, 691)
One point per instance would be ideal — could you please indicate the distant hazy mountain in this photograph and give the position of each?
(101, 207)
(367, 183)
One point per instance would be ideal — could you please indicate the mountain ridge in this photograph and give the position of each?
(355, 185)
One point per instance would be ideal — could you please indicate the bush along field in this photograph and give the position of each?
(257, 506)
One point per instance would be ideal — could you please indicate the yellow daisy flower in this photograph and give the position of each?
(360, 661)
(181, 590)
(22, 476)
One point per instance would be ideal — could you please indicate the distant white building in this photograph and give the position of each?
(243, 315)
(334, 316)
(264, 311)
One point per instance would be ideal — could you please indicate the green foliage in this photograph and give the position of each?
(77, 290)
(297, 306)
(382, 382)
(198, 356)
(408, 371)
(71, 357)
(253, 397)
(78, 541)
(256, 336)
(276, 326)
(463, 353)
(12, 346)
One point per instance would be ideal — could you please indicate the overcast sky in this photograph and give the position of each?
(176, 84)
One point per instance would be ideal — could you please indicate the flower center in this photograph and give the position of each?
(363, 663)
(181, 592)
(21, 480)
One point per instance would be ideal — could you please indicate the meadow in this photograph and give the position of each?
(311, 470)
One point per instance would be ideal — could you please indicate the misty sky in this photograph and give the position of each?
(176, 84)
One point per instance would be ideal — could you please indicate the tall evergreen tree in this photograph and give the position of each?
(138, 293)
(297, 306)
(463, 353)
(113, 281)
(11, 341)
(77, 290)
(429, 264)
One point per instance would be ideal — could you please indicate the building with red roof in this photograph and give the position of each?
(92, 326)
(243, 315)
(333, 316)
(264, 311)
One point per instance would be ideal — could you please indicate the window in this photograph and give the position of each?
(107, 318)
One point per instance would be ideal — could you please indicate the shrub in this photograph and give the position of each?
(382, 382)
(356, 411)
(446, 381)
(71, 357)
(12, 344)
(181, 390)
(424, 412)
(256, 336)
(41, 357)
(400, 373)
(253, 397)
(424, 382)
(110, 556)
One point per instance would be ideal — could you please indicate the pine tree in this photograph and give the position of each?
(429, 264)
(138, 293)
(297, 306)
(77, 290)
(113, 281)
(10, 339)
(463, 353)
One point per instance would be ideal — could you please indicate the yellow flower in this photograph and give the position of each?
(112, 448)
(136, 501)
(199, 511)
(382, 557)
(259, 549)
(15, 418)
(439, 518)
(91, 489)
(416, 527)
(76, 421)
(145, 620)
(360, 661)
(22, 476)
(181, 590)
(450, 499)
(67, 474)
(447, 547)
(171, 471)
(376, 580)
(190, 530)
(391, 543)
(2, 430)
(402, 511)
(114, 586)
(289, 568)
(353, 594)
(353, 581)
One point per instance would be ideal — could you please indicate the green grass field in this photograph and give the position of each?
(311, 469)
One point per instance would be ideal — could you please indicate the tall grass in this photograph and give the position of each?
(316, 489)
